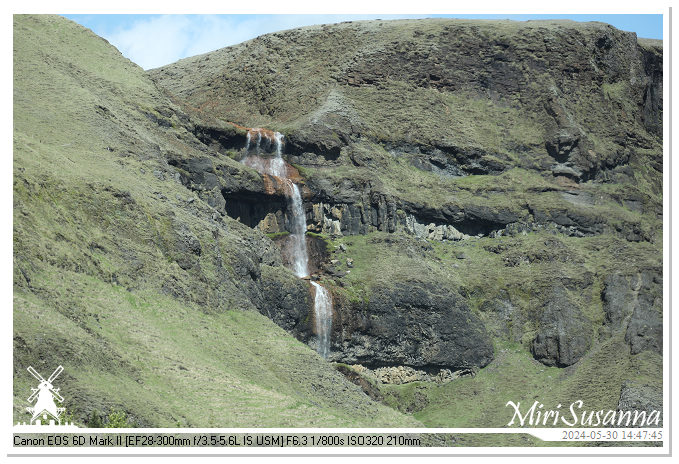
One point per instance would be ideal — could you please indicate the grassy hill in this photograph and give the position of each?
(100, 223)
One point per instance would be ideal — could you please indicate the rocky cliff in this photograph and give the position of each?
(458, 132)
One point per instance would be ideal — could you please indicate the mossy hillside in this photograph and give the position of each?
(502, 87)
(288, 76)
(520, 270)
(123, 277)
(165, 363)
(472, 120)
(480, 401)
(480, 268)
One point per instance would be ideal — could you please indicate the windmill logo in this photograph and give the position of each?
(45, 410)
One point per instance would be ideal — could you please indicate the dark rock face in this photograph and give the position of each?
(362, 210)
(251, 209)
(318, 139)
(220, 139)
(565, 334)
(645, 330)
(633, 304)
(644, 398)
(287, 301)
(446, 160)
(227, 187)
(618, 300)
(652, 103)
(562, 145)
(582, 223)
(414, 324)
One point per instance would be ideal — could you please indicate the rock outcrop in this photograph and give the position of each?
(632, 304)
(565, 334)
(413, 324)
(641, 398)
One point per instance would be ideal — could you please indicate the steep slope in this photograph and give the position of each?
(146, 295)
(428, 102)
(509, 173)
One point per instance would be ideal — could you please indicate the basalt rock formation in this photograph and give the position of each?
(450, 130)
(412, 324)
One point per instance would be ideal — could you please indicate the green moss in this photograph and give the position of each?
(303, 171)
(328, 242)
(616, 91)
(275, 235)
(234, 155)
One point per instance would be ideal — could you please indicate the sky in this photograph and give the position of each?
(156, 40)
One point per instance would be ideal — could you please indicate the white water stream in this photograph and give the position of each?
(300, 260)
(323, 313)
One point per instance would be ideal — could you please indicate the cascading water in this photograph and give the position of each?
(297, 234)
(300, 260)
(277, 164)
(323, 313)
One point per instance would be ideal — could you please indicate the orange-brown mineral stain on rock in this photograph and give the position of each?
(265, 133)
(255, 131)
(293, 174)
(274, 185)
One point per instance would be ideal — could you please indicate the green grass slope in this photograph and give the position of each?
(127, 280)
(519, 269)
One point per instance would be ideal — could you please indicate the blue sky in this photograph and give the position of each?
(156, 40)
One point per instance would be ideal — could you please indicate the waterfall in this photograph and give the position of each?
(276, 166)
(297, 234)
(323, 313)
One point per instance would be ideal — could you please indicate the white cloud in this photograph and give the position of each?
(161, 40)
(153, 42)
